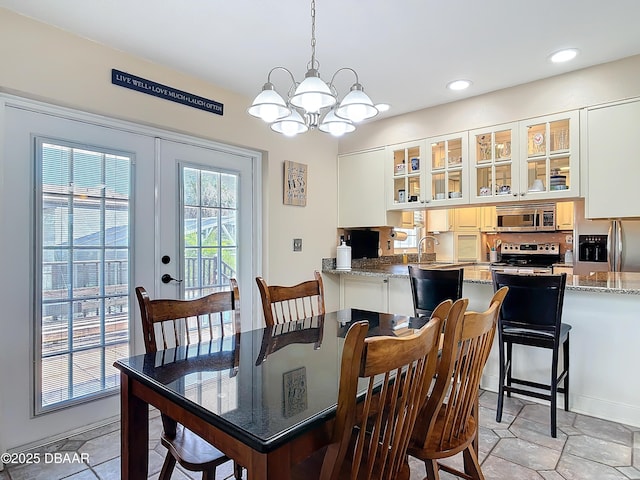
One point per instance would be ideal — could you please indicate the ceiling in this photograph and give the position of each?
(405, 52)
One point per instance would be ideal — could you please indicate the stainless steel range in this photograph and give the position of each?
(527, 257)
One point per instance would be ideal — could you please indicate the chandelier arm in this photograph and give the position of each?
(338, 71)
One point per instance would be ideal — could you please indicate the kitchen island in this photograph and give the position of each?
(603, 309)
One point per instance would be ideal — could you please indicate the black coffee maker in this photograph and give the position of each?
(592, 248)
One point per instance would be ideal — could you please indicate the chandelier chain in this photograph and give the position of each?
(313, 33)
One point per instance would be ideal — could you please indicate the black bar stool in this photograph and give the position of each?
(431, 287)
(531, 315)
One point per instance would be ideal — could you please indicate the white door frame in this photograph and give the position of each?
(65, 427)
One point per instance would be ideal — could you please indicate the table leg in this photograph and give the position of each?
(273, 465)
(134, 433)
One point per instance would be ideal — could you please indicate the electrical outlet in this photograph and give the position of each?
(568, 239)
(297, 244)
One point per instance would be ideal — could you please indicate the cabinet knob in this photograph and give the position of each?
(385, 281)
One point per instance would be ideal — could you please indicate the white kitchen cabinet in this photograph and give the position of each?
(466, 246)
(400, 297)
(366, 293)
(549, 159)
(612, 160)
(488, 218)
(494, 159)
(405, 166)
(466, 219)
(439, 220)
(379, 294)
(361, 181)
(447, 174)
(564, 216)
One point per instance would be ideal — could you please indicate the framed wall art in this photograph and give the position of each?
(295, 184)
(294, 396)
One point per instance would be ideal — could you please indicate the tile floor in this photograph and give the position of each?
(518, 448)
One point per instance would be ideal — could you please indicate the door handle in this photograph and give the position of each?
(166, 278)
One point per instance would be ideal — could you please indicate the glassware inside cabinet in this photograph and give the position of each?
(560, 178)
(413, 164)
(503, 179)
(484, 181)
(438, 155)
(399, 162)
(454, 186)
(503, 145)
(537, 176)
(536, 140)
(454, 152)
(559, 135)
(483, 147)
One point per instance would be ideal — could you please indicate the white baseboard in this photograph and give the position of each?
(583, 404)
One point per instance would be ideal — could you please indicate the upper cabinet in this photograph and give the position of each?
(405, 167)
(564, 216)
(361, 181)
(550, 161)
(447, 177)
(493, 163)
(527, 160)
(612, 160)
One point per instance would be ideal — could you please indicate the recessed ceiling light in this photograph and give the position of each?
(382, 107)
(458, 84)
(564, 55)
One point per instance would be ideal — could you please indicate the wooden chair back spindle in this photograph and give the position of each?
(286, 304)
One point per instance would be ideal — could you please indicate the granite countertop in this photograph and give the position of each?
(603, 282)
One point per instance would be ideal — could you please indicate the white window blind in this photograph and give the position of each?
(83, 251)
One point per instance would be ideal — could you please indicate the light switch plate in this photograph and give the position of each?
(297, 244)
(568, 239)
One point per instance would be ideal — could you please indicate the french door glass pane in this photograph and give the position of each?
(83, 246)
(210, 217)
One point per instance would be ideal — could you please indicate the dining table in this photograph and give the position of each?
(265, 400)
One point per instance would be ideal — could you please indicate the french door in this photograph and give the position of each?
(89, 209)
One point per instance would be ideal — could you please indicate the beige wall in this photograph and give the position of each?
(48, 64)
(591, 86)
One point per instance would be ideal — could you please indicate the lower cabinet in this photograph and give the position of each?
(379, 294)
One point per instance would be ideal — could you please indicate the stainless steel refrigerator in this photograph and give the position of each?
(605, 245)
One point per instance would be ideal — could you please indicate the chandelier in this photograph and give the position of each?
(312, 103)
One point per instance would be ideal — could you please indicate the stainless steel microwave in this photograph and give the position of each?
(526, 218)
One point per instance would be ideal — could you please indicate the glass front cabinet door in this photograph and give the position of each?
(447, 172)
(550, 163)
(407, 167)
(493, 164)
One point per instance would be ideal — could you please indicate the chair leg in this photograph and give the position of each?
(471, 465)
(431, 466)
(554, 393)
(509, 366)
(237, 469)
(209, 474)
(167, 467)
(500, 381)
(565, 352)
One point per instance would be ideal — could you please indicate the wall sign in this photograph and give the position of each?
(150, 87)
(295, 184)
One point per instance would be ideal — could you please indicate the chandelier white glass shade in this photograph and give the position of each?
(312, 103)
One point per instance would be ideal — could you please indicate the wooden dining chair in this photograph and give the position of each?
(170, 323)
(369, 442)
(429, 287)
(285, 304)
(448, 421)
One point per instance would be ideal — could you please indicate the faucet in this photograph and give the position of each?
(435, 242)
